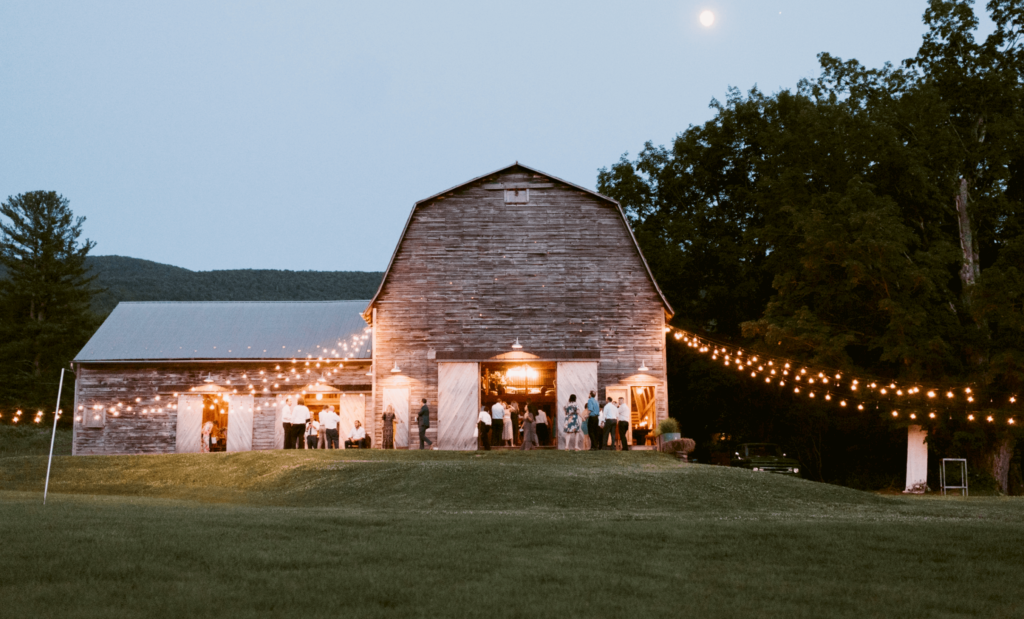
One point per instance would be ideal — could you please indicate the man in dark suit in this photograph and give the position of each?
(423, 421)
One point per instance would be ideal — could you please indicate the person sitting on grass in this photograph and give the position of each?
(357, 437)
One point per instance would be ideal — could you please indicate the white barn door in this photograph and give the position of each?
(398, 400)
(458, 405)
(240, 413)
(574, 377)
(350, 408)
(190, 424)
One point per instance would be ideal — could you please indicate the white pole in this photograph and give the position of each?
(53, 437)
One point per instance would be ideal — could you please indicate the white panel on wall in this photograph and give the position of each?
(279, 422)
(190, 422)
(574, 377)
(458, 405)
(917, 459)
(350, 408)
(398, 400)
(240, 414)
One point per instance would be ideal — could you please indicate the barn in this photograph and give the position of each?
(515, 285)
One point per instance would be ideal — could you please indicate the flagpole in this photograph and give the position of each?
(53, 437)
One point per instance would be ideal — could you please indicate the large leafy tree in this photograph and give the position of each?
(868, 220)
(44, 295)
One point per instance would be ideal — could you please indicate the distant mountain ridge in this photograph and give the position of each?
(134, 279)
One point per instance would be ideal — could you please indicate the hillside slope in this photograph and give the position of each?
(133, 279)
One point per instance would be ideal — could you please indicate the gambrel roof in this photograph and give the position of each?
(625, 222)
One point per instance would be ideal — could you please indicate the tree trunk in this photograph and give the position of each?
(999, 461)
(971, 267)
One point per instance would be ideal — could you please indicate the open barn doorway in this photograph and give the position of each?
(517, 383)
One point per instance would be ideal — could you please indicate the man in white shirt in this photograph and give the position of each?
(300, 415)
(623, 424)
(357, 437)
(497, 422)
(609, 421)
(329, 420)
(286, 422)
(483, 429)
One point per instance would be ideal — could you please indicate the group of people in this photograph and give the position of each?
(606, 427)
(319, 432)
(498, 426)
(599, 424)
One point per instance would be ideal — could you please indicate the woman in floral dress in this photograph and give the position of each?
(573, 436)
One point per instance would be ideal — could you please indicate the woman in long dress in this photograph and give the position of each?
(529, 428)
(388, 432)
(506, 428)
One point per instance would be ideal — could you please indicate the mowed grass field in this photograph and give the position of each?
(498, 534)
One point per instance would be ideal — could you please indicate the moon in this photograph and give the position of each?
(707, 18)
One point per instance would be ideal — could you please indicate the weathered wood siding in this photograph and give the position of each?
(559, 272)
(138, 432)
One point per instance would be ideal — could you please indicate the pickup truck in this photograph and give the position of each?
(767, 457)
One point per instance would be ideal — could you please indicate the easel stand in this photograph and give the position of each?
(961, 464)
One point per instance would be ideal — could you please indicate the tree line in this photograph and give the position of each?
(868, 219)
(53, 295)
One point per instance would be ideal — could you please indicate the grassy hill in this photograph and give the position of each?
(496, 534)
(132, 279)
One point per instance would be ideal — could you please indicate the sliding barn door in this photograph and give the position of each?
(351, 407)
(574, 377)
(398, 400)
(458, 405)
(190, 423)
(240, 414)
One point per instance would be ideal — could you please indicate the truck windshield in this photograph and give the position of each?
(762, 450)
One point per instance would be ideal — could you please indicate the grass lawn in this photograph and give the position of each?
(502, 534)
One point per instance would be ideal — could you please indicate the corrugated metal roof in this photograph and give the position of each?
(229, 330)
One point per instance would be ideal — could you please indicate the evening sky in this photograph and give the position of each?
(298, 134)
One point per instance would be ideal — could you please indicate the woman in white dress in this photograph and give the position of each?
(506, 428)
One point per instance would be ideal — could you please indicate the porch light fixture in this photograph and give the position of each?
(643, 367)
(517, 345)
(396, 369)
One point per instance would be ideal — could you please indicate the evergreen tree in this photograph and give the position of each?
(44, 296)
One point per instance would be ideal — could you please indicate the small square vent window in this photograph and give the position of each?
(517, 196)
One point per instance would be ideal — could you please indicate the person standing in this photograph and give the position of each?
(329, 422)
(506, 428)
(312, 433)
(423, 421)
(516, 421)
(497, 422)
(610, 422)
(593, 422)
(529, 427)
(300, 415)
(483, 429)
(623, 424)
(286, 422)
(572, 429)
(543, 429)
(204, 445)
(388, 430)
